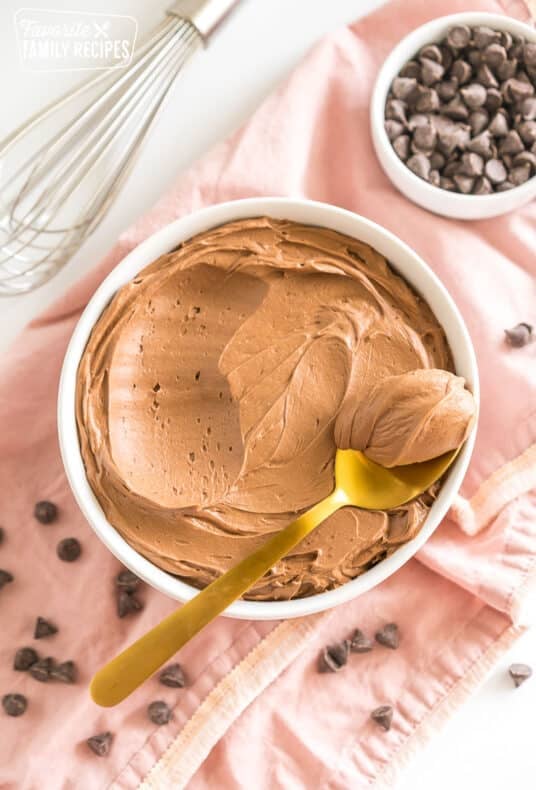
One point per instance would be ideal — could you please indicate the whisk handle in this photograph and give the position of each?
(205, 15)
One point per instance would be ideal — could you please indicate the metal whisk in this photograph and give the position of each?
(50, 204)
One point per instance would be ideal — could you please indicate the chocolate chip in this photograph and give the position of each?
(461, 71)
(431, 71)
(69, 549)
(527, 132)
(416, 120)
(456, 109)
(403, 87)
(127, 603)
(431, 52)
(420, 165)
(401, 146)
(526, 157)
(447, 183)
(428, 101)
(41, 669)
(394, 129)
(395, 110)
(472, 164)
(519, 175)
(437, 161)
(474, 57)
(494, 55)
(529, 54)
(159, 712)
(498, 126)
(333, 657)
(447, 58)
(515, 90)
(459, 36)
(411, 70)
(493, 99)
(446, 90)
(519, 673)
(424, 138)
(511, 144)
(481, 144)
(360, 643)
(528, 108)
(389, 636)
(25, 657)
(520, 335)
(505, 186)
(495, 171)
(507, 69)
(45, 512)
(126, 580)
(173, 676)
(482, 186)
(484, 36)
(14, 704)
(486, 77)
(100, 744)
(505, 39)
(5, 578)
(474, 95)
(383, 716)
(65, 672)
(44, 628)
(464, 183)
(478, 120)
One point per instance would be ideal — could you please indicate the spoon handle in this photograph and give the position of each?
(124, 673)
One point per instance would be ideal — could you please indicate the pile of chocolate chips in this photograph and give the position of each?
(462, 113)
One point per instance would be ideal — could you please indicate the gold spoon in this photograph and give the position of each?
(358, 482)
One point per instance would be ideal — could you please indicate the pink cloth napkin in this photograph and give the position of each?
(256, 713)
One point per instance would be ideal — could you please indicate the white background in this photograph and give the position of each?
(490, 743)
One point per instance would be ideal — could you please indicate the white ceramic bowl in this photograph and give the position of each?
(440, 201)
(414, 270)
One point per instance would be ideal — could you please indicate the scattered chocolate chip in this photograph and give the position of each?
(14, 704)
(173, 676)
(25, 657)
(389, 636)
(5, 578)
(520, 335)
(65, 672)
(128, 581)
(360, 643)
(159, 712)
(459, 36)
(44, 628)
(69, 549)
(100, 744)
(519, 673)
(420, 165)
(383, 716)
(495, 171)
(127, 603)
(333, 657)
(41, 669)
(45, 512)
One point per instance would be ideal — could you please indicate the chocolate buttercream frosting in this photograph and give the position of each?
(217, 385)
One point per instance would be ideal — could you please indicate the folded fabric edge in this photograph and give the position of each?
(230, 698)
(438, 716)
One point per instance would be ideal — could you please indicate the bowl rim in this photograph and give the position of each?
(429, 32)
(165, 240)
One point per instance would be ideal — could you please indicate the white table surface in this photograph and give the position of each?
(489, 744)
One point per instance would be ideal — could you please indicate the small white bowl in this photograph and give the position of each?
(402, 257)
(440, 201)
